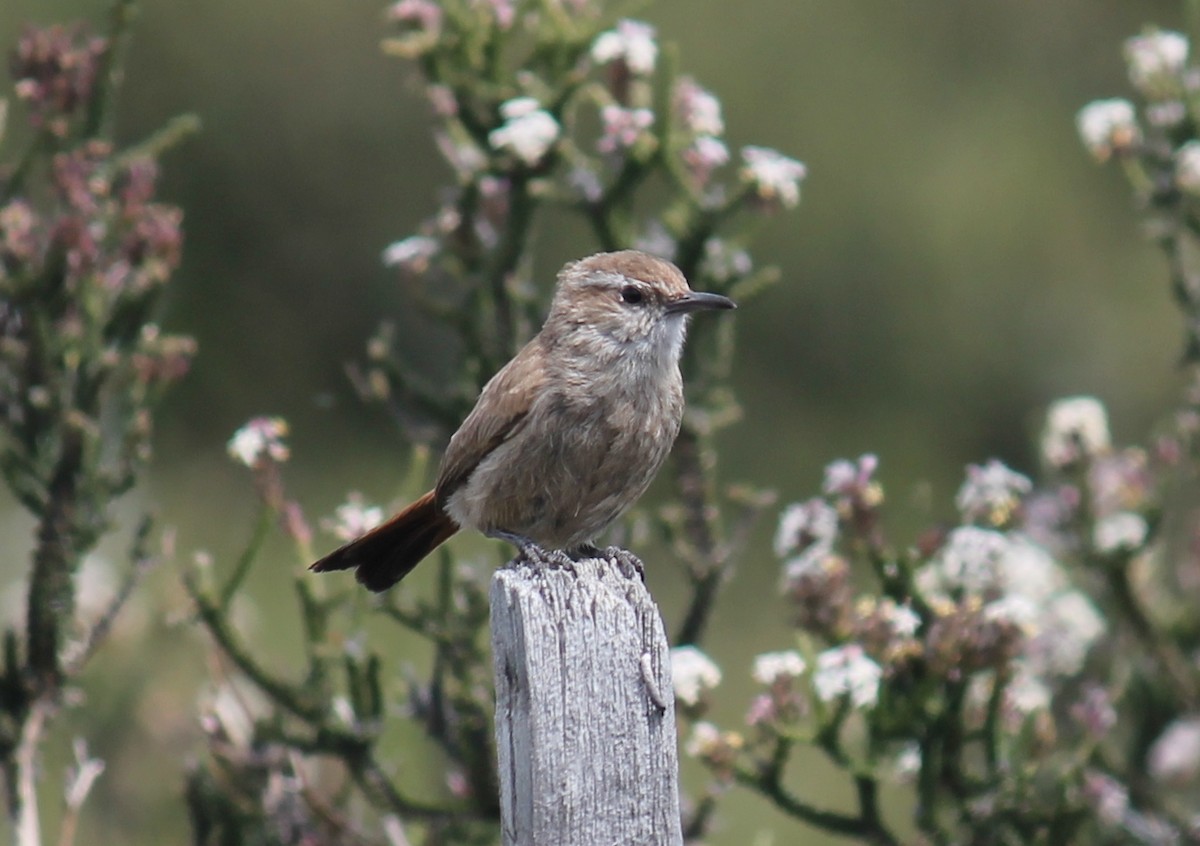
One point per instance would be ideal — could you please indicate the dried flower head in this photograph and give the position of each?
(818, 585)
(55, 70)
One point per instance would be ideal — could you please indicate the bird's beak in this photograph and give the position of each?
(697, 301)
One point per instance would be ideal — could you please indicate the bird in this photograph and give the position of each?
(568, 435)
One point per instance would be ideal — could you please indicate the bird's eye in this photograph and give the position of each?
(632, 294)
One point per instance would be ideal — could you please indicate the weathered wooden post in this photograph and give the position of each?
(585, 718)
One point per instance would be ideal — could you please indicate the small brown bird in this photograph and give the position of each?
(567, 435)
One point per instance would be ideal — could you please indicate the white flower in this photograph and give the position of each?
(259, 440)
(1156, 60)
(853, 478)
(775, 177)
(585, 182)
(692, 673)
(1107, 796)
(991, 492)
(1175, 757)
(631, 42)
(1121, 531)
(1019, 610)
(622, 127)
(412, 253)
(656, 240)
(704, 155)
(699, 110)
(1027, 569)
(1076, 428)
(344, 711)
(903, 620)
(1026, 693)
(704, 738)
(1107, 126)
(528, 132)
(907, 763)
(772, 666)
(976, 561)
(969, 562)
(811, 563)
(1165, 114)
(1187, 167)
(724, 262)
(1066, 628)
(805, 524)
(354, 518)
(847, 671)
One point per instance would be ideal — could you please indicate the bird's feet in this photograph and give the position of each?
(629, 564)
(533, 553)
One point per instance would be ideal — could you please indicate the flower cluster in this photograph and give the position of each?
(1002, 614)
(56, 71)
(84, 259)
(260, 441)
(531, 139)
(86, 252)
(1153, 135)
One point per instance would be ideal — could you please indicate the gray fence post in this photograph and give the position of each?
(585, 720)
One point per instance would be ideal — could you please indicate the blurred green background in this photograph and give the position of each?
(956, 263)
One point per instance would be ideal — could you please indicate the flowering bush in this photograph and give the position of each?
(537, 111)
(1026, 670)
(1032, 669)
(86, 253)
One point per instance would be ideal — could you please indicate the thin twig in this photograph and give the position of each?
(28, 826)
(142, 564)
(87, 770)
(214, 620)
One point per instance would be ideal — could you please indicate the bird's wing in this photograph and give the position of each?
(499, 413)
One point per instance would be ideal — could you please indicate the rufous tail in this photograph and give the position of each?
(388, 553)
